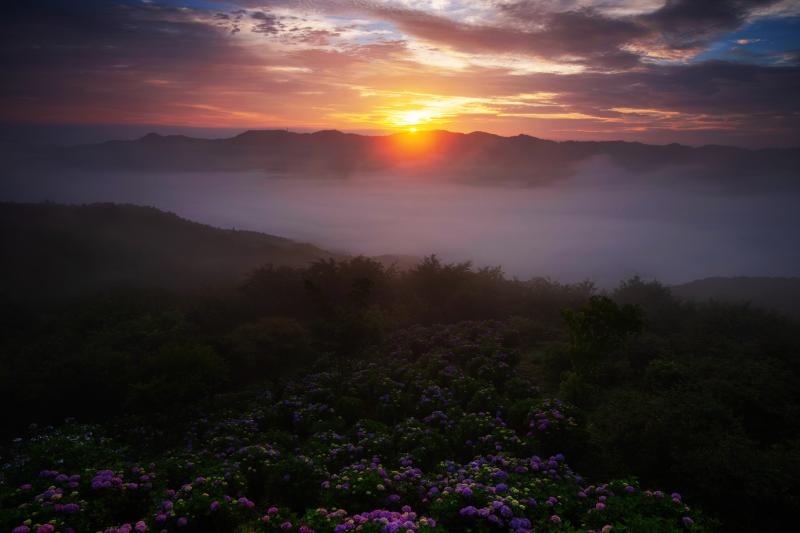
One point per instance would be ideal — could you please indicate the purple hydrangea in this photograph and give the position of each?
(70, 508)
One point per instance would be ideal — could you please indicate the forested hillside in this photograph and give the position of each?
(54, 251)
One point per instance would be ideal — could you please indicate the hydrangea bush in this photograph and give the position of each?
(438, 434)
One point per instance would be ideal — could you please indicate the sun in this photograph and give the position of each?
(412, 120)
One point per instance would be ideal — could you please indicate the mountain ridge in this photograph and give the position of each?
(475, 156)
(780, 294)
(67, 249)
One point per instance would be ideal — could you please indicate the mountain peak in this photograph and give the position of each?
(253, 134)
(328, 133)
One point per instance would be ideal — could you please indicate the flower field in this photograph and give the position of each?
(438, 433)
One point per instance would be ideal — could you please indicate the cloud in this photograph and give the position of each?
(574, 32)
(583, 36)
(266, 23)
(610, 68)
(686, 24)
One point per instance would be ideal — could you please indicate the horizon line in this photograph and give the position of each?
(230, 133)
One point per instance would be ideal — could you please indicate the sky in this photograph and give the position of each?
(688, 71)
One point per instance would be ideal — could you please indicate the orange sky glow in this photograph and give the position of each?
(561, 70)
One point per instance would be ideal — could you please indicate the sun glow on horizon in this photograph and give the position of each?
(412, 119)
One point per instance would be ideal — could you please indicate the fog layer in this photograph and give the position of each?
(602, 223)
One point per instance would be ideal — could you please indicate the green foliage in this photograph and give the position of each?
(267, 347)
(176, 373)
(296, 455)
(698, 396)
(704, 396)
(602, 324)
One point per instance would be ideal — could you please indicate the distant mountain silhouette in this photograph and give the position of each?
(778, 294)
(474, 156)
(51, 249)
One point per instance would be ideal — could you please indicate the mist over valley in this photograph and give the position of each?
(625, 210)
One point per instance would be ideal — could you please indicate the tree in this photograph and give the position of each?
(600, 327)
